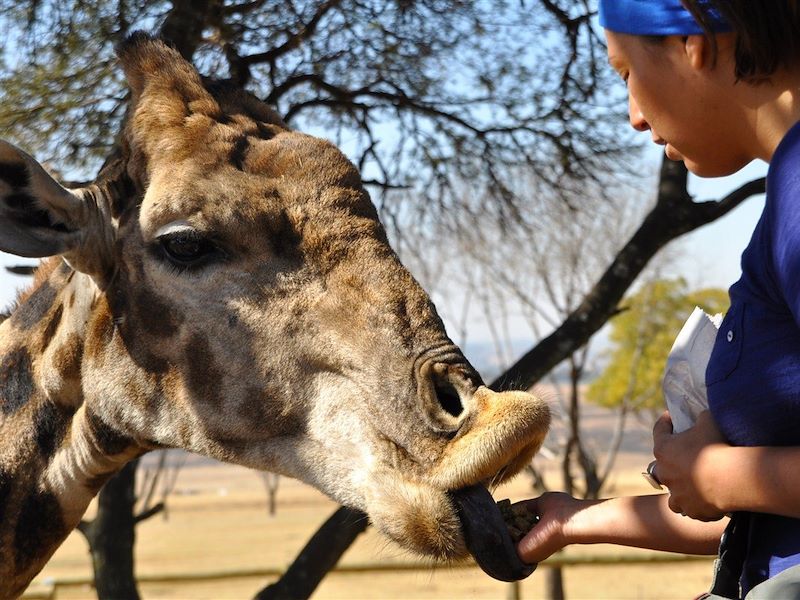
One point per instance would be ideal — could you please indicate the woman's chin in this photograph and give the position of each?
(672, 153)
(704, 168)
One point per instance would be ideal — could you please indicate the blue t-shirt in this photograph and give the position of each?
(753, 375)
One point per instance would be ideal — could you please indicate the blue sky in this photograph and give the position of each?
(710, 255)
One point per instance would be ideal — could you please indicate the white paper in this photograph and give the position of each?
(684, 382)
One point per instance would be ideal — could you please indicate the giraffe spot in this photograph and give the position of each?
(34, 310)
(253, 407)
(100, 331)
(266, 132)
(108, 440)
(25, 212)
(265, 408)
(16, 380)
(40, 526)
(138, 317)
(52, 326)
(284, 239)
(19, 201)
(51, 423)
(154, 316)
(68, 356)
(5, 493)
(204, 377)
(239, 152)
(15, 174)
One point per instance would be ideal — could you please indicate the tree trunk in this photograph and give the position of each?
(319, 556)
(111, 536)
(554, 583)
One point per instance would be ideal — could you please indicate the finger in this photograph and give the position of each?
(705, 422)
(704, 417)
(653, 470)
(539, 543)
(662, 430)
(674, 506)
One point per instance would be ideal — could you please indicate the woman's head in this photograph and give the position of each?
(681, 100)
(692, 68)
(766, 32)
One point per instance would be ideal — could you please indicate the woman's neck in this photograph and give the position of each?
(776, 108)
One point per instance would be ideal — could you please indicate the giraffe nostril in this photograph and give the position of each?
(445, 390)
(448, 397)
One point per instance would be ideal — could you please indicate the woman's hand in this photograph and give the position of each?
(686, 465)
(550, 534)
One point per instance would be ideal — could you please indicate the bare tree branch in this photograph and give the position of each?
(294, 39)
(150, 512)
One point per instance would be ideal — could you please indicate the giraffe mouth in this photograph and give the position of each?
(486, 535)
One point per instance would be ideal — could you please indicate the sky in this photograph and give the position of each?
(710, 255)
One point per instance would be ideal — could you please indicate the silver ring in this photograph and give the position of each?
(650, 476)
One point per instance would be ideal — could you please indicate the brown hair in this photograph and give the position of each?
(767, 33)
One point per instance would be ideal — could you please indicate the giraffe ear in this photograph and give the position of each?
(39, 217)
(170, 107)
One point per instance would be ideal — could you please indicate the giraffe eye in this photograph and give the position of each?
(187, 248)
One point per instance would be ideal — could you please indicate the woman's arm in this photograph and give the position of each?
(706, 477)
(639, 521)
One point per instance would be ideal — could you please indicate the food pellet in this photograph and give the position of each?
(519, 519)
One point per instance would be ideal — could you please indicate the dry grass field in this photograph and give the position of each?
(218, 523)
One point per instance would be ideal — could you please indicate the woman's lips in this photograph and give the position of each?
(669, 149)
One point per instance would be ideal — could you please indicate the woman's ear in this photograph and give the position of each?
(696, 47)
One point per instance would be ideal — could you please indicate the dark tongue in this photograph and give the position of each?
(487, 536)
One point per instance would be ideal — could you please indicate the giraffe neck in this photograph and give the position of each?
(55, 452)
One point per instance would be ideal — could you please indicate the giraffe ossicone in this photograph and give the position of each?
(225, 286)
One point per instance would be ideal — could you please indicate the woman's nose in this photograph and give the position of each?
(638, 122)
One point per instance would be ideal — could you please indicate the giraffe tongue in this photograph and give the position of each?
(487, 535)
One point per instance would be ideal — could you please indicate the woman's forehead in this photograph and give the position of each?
(618, 47)
(623, 47)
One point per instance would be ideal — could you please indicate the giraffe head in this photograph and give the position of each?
(241, 301)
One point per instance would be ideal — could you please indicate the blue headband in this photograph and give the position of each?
(654, 17)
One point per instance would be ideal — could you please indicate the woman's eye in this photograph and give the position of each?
(187, 249)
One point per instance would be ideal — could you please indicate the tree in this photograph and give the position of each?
(641, 337)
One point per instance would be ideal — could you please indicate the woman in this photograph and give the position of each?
(717, 82)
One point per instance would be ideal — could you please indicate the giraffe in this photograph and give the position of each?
(225, 286)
